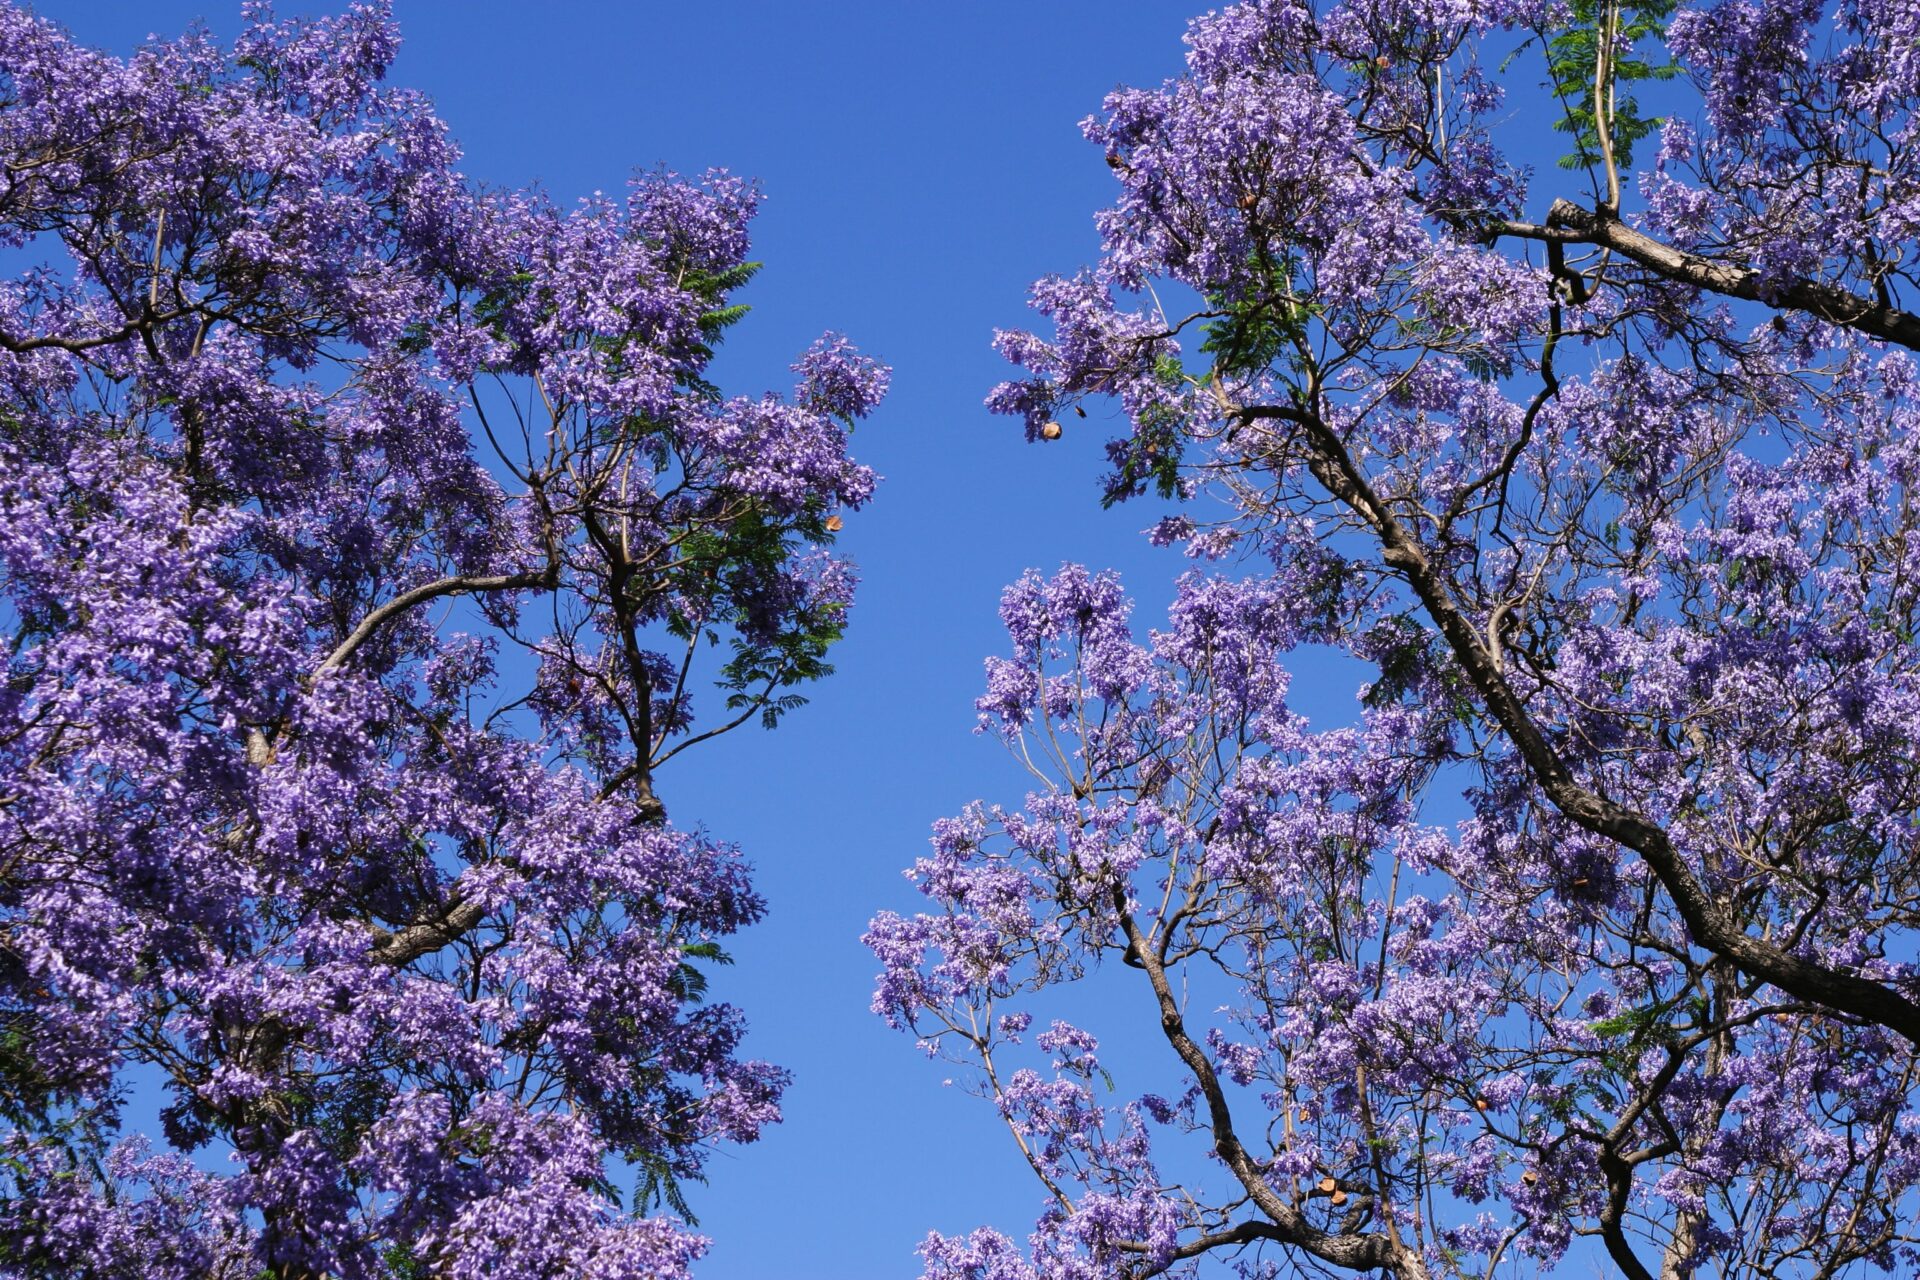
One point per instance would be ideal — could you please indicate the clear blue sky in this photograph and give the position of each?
(922, 165)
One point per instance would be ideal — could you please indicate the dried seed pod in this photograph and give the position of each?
(1329, 1184)
(835, 524)
(1051, 431)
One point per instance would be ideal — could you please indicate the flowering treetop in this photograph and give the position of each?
(1600, 920)
(363, 540)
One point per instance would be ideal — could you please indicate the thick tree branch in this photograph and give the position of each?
(1242, 1233)
(620, 575)
(416, 940)
(1568, 223)
(462, 585)
(73, 346)
(1707, 920)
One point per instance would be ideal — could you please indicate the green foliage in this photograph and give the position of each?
(722, 562)
(1634, 1023)
(688, 982)
(1631, 1032)
(401, 1264)
(795, 655)
(1151, 457)
(1571, 62)
(1251, 328)
(712, 287)
(657, 1184)
(1251, 336)
(27, 1094)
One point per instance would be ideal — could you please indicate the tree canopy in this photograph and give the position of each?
(368, 542)
(1595, 931)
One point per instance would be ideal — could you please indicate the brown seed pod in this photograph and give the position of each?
(1249, 200)
(1078, 412)
(835, 524)
(1529, 1177)
(1338, 1197)
(1329, 1184)
(1383, 62)
(1051, 431)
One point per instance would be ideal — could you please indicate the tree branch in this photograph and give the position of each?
(455, 586)
(1239, 1234)
(21, 346)
(1708, 922)
(1352, 1251)
(1568, 223)
(416, 940)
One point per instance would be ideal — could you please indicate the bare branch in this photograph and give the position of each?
(1355, 1252)
(416, 940)
(1568, 223)
(465, 584)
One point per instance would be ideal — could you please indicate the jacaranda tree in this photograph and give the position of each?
(1591, 940)
(365, 540)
